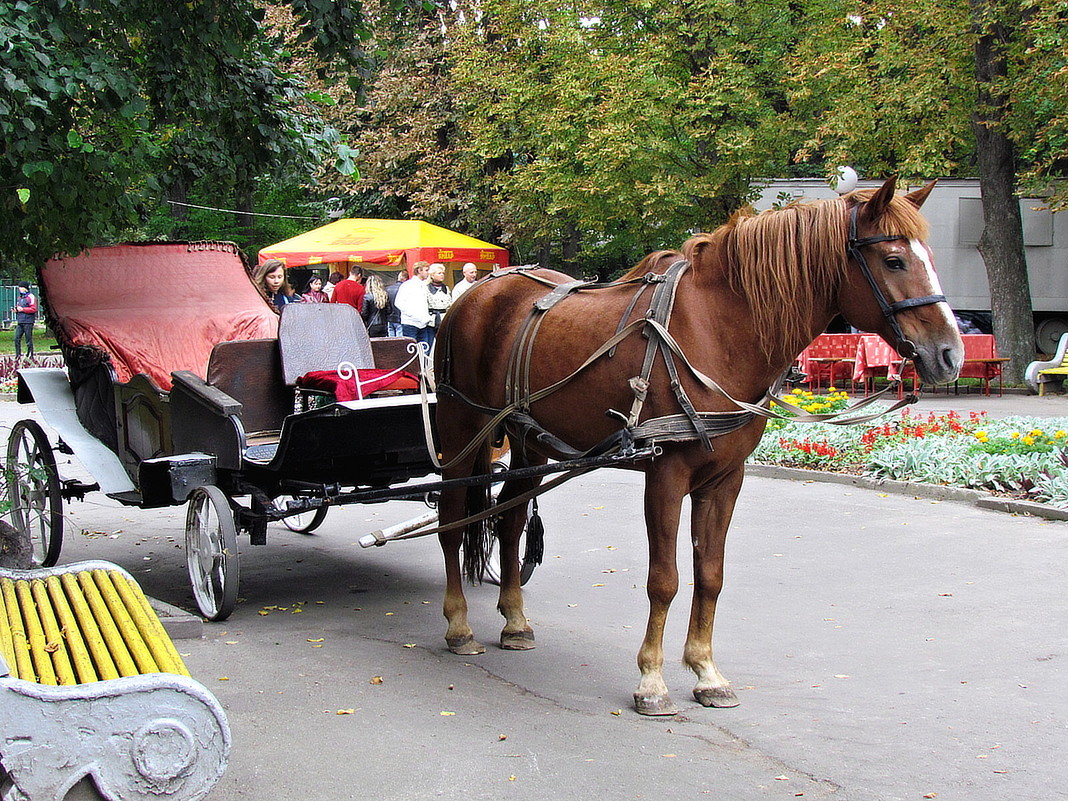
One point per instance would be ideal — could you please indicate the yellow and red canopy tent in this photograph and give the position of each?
(383, 244)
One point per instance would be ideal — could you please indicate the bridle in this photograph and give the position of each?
(906, 347)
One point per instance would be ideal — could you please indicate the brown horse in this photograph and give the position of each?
(749, 298)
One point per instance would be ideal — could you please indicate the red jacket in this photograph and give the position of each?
(350, 292)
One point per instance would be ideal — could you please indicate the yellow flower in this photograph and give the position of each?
(798, 390)
(1060, 434)
(1036, 432)
(1014, 435)
(1028, 440)
(980, 435)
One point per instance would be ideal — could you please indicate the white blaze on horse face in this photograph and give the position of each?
(923, 253)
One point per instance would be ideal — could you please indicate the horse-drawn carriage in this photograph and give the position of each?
(692, 343)
(182, 387)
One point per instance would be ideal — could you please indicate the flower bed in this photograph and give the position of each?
(1022, 456)
(9, 364)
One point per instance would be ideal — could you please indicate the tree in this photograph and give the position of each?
(1001, 242)
(943, 88)
(104, 105)
(622, 125)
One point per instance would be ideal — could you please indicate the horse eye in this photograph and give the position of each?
(894, 263)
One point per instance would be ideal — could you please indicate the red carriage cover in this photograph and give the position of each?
(155, 308)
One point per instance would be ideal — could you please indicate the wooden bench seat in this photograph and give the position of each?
(95, 695)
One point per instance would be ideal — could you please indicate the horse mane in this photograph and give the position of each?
(787, 261)
(656, 262)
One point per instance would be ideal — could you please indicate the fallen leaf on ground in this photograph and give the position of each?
(375, 680)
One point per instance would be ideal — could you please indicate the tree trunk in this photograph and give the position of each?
(1001, 243)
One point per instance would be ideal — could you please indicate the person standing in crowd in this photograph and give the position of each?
(376, 307)
(25, 317)
(414, 309)
(313, 292)
(273, 283)
(438, 297)
(470, 272)
(351, 290)
(333, 280)
(393, 324)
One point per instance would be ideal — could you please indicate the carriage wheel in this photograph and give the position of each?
(492, 573)
(302, 522)
(211, 552)
(31, 483)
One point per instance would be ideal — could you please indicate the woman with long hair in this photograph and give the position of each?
(270, 278)
(313, 292)
(376, 307)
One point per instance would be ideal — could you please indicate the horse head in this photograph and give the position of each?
(891, 287)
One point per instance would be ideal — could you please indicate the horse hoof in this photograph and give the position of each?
(517, 640)
(719, 697)
(654, 704)
(465, 646)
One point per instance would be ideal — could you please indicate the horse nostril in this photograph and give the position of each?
(949, 358)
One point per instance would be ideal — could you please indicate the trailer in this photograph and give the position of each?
(955, 213)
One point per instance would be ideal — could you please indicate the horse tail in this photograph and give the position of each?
(478, 535)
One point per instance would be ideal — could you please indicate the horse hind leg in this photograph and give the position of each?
(517, 635)
(455, 504)
(710, 517)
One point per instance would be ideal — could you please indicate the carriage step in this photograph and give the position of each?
(261, 453)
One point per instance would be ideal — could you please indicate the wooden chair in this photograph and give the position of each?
(982, 361)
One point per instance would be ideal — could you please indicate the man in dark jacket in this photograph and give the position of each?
(25, 316)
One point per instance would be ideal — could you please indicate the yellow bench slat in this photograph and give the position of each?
(116, 647)
(55, 646)
(149, 625)
(7, 648)
(124, 624)
(86, 624)
(76, 647)
(23, 665)
(42, 662)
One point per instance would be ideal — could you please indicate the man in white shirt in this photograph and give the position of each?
(470, 276)
(413, 305)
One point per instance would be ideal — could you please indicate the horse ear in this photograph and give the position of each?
(916, 198)
(879, 202)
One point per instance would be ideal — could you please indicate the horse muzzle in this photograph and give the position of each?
(936, 362)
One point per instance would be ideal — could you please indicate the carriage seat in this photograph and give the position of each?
(237, 413)
(316, 339)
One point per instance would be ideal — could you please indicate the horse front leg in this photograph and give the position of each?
(712, 508)
(663, 503)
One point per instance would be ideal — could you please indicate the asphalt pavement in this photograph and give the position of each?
(883, 646)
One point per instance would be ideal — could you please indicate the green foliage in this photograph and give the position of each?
(105, 105)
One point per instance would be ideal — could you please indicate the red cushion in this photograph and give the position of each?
(371, 380)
